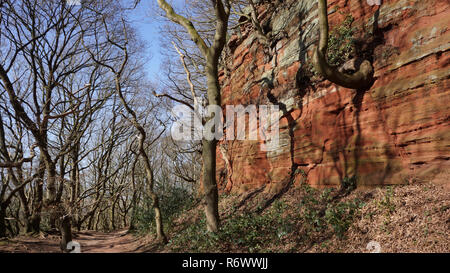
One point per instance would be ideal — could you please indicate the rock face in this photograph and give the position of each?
(397, 131)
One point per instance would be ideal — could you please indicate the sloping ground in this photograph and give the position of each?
(409, 218)
(416, 220)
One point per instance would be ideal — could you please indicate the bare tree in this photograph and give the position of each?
(54, 97)
(7, 192)
(118, 70)
(212, 55)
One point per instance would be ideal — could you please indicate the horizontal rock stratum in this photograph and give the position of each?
(397, 131)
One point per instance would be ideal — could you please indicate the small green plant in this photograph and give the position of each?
(320, 212)
(194, 238)
(310, 208)
(253, 231)
(285, 224)
(341, 43)
(173, 200)
(387, 203)
(349, 183)
(250, 232)
(341, 47)
(341, 216)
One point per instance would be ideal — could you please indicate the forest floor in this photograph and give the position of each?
(407, 218)
(90, 242)
(399, 219)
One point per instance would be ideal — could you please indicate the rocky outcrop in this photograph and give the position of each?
(397, 131)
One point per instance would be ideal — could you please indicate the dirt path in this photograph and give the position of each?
(89, 242)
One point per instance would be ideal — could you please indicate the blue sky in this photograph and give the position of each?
(148, 24)
(148, 27)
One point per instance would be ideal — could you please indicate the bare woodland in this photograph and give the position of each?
(85, 134)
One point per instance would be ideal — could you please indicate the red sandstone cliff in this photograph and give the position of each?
(395, 132)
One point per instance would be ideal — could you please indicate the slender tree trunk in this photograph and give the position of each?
(160, 236)
(51, 193)
(212, 55)
(133, 212)
(17, 180)
(90, 225)
(59, 217)
(113, 216)
(210, 185)
(35, 223)
(209, 154)
(26, 210)
(74, 186)
(3, 207)
(26, 215)
(36, 209)
(66, 233)
(125, 223)
(97, 221)
(60, 186)
(79, 223)
(134, 197)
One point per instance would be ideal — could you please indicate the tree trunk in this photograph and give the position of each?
(51, 194)
(91, 220)
(97, 220)
(113, 216)
(26, 210)
(133, 211)
(210, 185)
(212, 55)
(2, 220)
(57, 211)
(35, 223)
(66, 233)
(361, 79)
(209, 153)
(160, 236)
(36, 205)
(74, 185)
